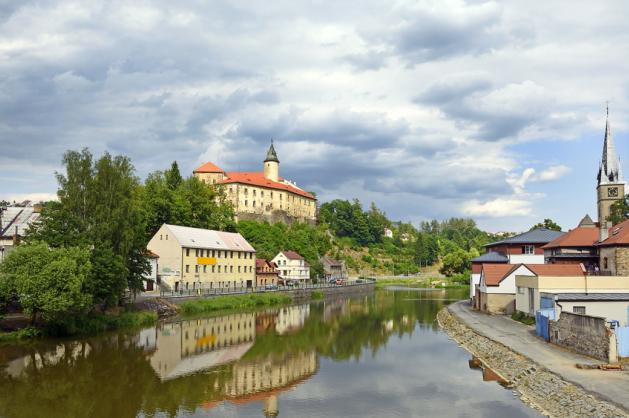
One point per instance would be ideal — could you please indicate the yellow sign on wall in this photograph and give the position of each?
(206, 261)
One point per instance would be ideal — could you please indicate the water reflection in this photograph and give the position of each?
(200, 366)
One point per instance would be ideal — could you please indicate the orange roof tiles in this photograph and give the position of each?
(578, 237)
(208, 168)
(495, 273)
(556, 269)
(618, 235)
(258, 179)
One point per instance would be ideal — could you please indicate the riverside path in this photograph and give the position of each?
(608, 385)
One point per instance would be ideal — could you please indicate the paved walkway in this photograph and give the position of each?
(608, 385)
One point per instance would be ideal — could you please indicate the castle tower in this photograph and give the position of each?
(611, 185)
(272, 165)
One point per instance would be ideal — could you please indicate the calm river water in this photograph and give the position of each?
(376, 356)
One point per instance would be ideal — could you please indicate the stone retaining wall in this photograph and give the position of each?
(536, 386)
(581, 333)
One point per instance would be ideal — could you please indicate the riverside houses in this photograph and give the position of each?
(194, 258)
(525, 248)
(292, 266)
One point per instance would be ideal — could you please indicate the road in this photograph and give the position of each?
(608, 385)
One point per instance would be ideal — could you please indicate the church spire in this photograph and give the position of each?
(609, 170)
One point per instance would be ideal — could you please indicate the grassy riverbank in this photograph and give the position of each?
(88, 325)
(222, 303)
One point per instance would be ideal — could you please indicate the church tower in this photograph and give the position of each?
(272, 165)
(611, 185)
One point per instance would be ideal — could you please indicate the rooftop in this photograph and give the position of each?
(292, 255)
(491, 257)
(207, 238)
(534, 236)
(582, 236)
(258, 179)
(14, 216)
(618, 235)
(495, 273)
(208, 168)
(556, 269)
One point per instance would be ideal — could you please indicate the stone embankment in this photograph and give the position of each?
(536, 386)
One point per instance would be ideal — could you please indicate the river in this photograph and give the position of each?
(373, 356)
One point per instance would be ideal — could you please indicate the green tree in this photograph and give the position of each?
(48, 281)
(99, 207)
(547, 224)
(173, 176)
(618, 211)
(455, 262)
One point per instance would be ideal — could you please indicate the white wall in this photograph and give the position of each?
(526, 259)
(607, 310)
(474, 280)
(508, 284)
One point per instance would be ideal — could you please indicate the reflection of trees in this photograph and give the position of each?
(112, 376)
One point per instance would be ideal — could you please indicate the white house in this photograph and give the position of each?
(150, 280)
(292, 266)
(497, 287)
(388, 233)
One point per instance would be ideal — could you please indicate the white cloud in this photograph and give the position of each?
(33, 197)
(497, 208)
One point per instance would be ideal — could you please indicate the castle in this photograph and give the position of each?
(262, 195)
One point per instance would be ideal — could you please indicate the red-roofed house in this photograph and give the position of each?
(292, 267)
(497, 287)
(577, 246)
(262, 195)
(266, 272)
(614, 250)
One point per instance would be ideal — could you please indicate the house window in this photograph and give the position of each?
(605, 263)
(187, 268)
(238, 269)
(219, 269)
(196, 268)
(213, 269)
(204, 269)
(254, 203)
(578, 310)
(160, 237)
(187, 252)
(196, 252)
(528, 249)
(166, 237)
(520, 290)
(246, 203)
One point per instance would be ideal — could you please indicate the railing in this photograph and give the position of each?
(207, 292)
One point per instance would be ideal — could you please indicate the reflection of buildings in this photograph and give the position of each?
(72, 350)
(190, 346)
(291, 318)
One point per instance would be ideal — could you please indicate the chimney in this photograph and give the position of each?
(603, 232)
(16, 238)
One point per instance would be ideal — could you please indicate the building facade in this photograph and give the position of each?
(266, 272)
(292, 266)
(333, 269)
(194, 258)
(14, 220)
(262, 195)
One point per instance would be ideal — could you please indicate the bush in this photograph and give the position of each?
(317, 295)
(95, 324)
(522, 317)
(19, 335)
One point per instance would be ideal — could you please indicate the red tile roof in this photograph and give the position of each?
(581, 236)
(556, 269)
(258, 179)
(208, 168)
(495, 273)
(292, 255)
(618, 235)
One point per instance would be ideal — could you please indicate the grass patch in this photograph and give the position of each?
(221, 303)
(20, 335)
(380, 283)
(317, 295)
(524, 318)
(452, 286)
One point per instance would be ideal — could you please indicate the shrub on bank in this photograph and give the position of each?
(317, 295)
(101, 323)
(19, 335)
(234, 302)
(522, 317)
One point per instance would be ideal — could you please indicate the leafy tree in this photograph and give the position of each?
(619, 211)
(99, 207)
(547, 224)
(455, 262)
(47, 281)
(173, 176)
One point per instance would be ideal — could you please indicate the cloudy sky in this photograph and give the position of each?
(431, 109)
